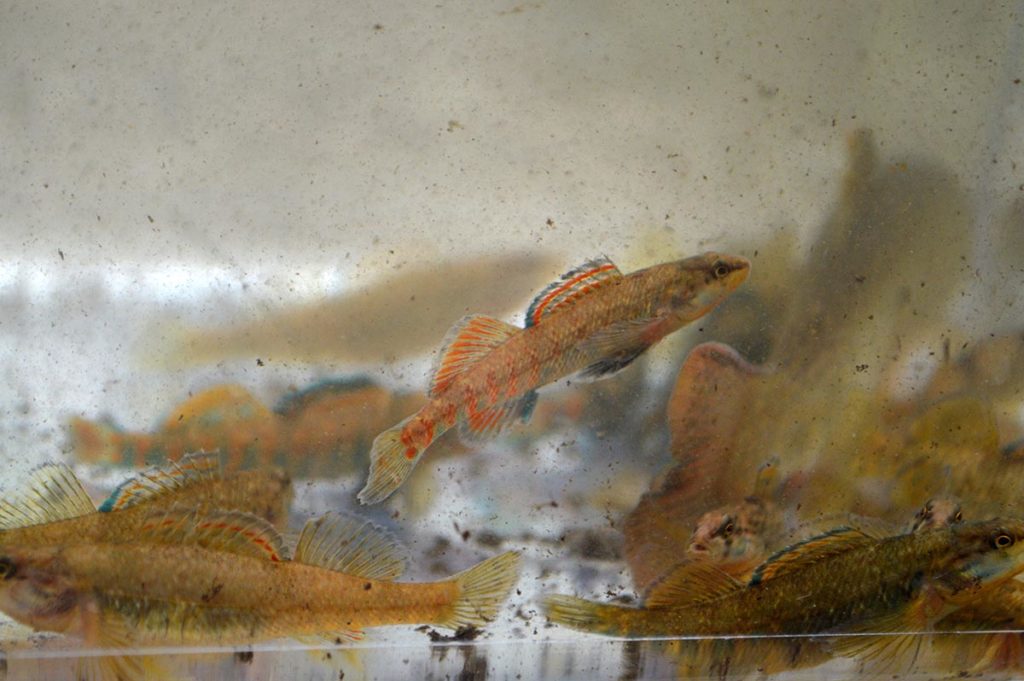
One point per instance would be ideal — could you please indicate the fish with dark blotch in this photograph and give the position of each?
(845, 580)
(594, 321)
(54, 508)
(225, 578)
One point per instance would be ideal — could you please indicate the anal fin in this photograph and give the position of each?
(485, 423)
(53, 493)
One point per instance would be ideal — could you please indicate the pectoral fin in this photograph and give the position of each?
(618, 345)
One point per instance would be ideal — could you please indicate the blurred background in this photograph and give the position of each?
(285, 196)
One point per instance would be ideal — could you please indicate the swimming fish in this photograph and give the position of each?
(359, 325)
(595, 320)
(54, 508)
(842, 580)
(225, 578)
(320, 431)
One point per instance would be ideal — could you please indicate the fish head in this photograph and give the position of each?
(36, 589)
(702, 282)
(984, 554)
(941, 511)
(730, 533)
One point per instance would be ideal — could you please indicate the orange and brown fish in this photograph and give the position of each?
(594, 321)
(225, 578)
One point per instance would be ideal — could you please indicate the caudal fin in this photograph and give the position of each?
(482, 590)
(579, 613)
(389, 465)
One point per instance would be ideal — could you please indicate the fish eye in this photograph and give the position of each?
(7, 568)
(958, 517)
(727, 529)
(720, 269)
(1001, 541)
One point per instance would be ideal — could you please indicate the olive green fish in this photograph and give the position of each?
(843, 580)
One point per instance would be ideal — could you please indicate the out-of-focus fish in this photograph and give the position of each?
(321, 431)
(705, 413)
(736, 537)
(224, 577)
(367, 325)
(595, 320)
(941, 511)
(841, 581)
(54, 509)
(225, 418)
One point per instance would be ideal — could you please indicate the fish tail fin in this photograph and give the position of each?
(584, 615)
(96, 441)
(482, 590)
(390, 465)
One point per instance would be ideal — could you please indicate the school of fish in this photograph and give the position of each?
(802, 494)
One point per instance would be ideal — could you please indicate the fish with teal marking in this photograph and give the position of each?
(53, 509)
(594, 321)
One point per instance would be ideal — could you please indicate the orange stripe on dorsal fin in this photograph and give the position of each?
(484, 424)
(351, 545)
(229, 531)
(575, 283)
(467, 342)
(53, 493)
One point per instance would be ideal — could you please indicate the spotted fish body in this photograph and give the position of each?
(594, 321)
(841, 579)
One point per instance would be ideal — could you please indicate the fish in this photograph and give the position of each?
(54, 509)
(358, 326)
(940, 511)
(226, 418)
(594, 321)
(225, 577)
(845, 580)
(736, 537)
(323, 430)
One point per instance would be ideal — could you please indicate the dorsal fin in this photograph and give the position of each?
(230, 531)
(348, 544)
(160, 480)
(575, 283)
(53, 493)
(809, 551)
(693, 581)
(467, 342)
